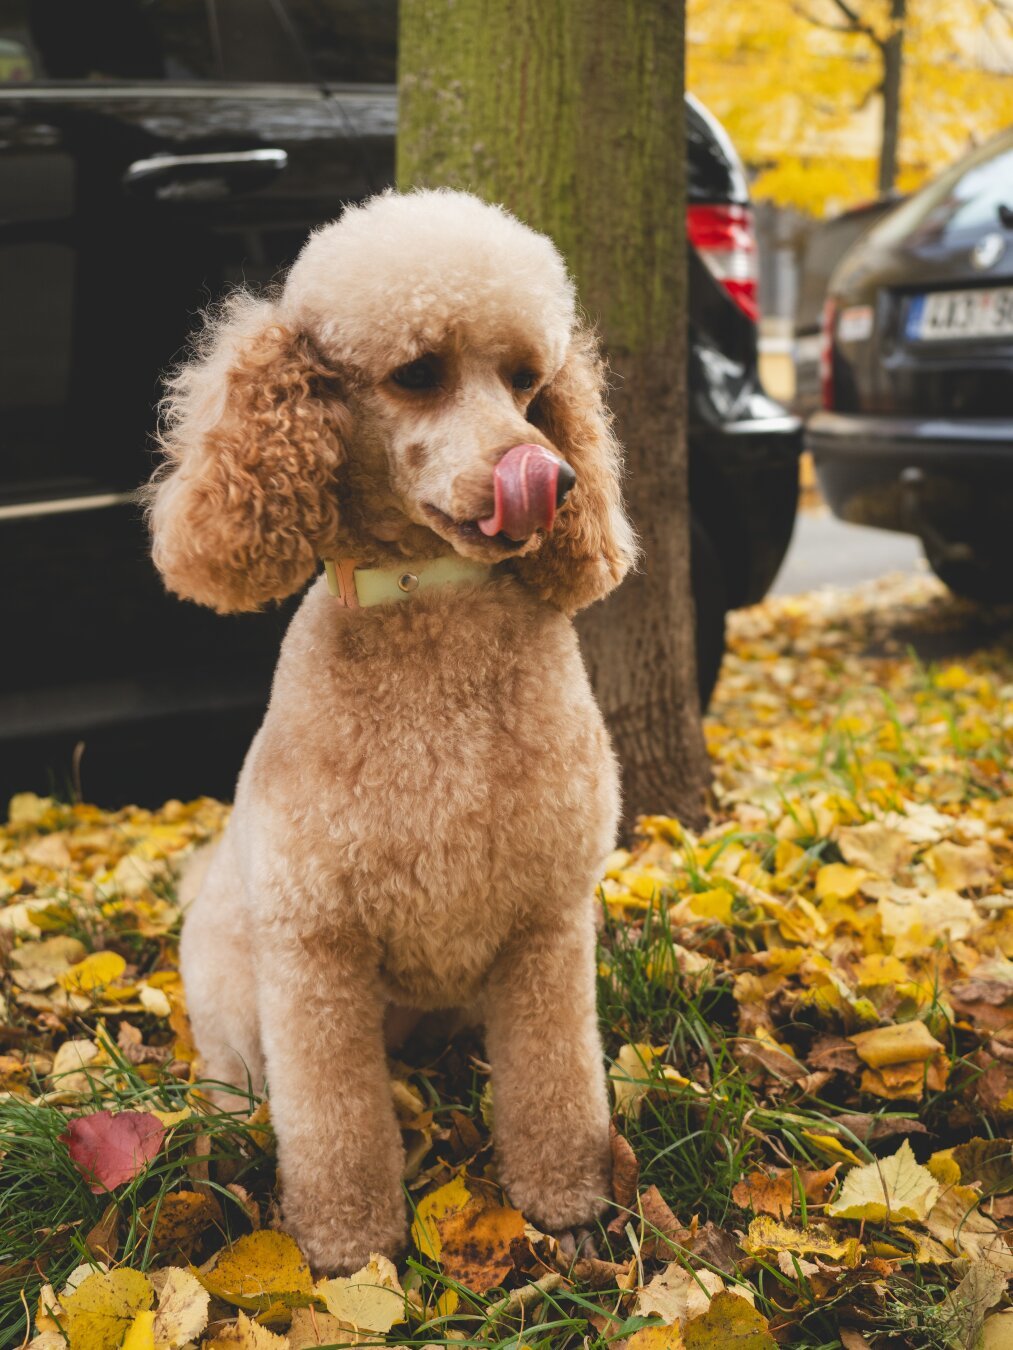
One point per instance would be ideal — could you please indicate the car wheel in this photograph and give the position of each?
(975, 579)
(710, 598)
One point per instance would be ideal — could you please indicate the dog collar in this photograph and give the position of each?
(360, 587)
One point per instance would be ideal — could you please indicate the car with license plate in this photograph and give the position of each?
(915, 432)
(153, 155)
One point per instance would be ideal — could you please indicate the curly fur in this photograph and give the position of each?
(422, 817)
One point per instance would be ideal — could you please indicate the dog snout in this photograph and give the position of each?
(564, 482)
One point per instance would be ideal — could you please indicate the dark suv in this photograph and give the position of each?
(154, 155)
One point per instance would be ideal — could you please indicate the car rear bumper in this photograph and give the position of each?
(755, 497)
(948, 481)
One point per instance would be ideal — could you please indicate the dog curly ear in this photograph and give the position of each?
(592, 545)
(245, 500)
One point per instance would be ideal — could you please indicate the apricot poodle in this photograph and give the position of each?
(422, 817)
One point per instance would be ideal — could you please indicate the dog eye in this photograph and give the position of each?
(525, 379)
(421, 374)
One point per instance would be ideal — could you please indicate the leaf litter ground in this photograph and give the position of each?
(808, 1014)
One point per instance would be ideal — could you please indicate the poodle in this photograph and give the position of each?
(422, 817)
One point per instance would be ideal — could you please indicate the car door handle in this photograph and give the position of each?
(237, 170)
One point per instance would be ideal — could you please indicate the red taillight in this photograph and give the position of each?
(827, 353)
(724, 238)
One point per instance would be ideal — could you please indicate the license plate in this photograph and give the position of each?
(954, 315)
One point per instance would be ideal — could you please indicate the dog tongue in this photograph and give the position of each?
(524, 487)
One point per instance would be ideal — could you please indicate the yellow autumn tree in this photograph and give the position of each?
(832, 101)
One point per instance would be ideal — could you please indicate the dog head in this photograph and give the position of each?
(420, 385)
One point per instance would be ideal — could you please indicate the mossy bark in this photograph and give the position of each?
(570, 112)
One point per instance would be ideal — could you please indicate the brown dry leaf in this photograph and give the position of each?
(902, 1043)
(663, 1232)
(182, 1311)
(310, 1327)
(625, 1173)
(987, 1161)
(39, 965)
(102, 1239)
(778, 1191)
(180, 1221)
(468, 1233)
(729, 1322)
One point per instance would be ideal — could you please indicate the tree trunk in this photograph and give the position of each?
(570, 112)
(893, 73)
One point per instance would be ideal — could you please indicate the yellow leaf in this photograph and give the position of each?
(875, 847)
(959, 1224)
(141, 1334)
(631, 1077)
(997, 1331)
(94, 972)
(899, 1044)
(370, 1300)
(837, 881)
(767, 1236)
(715, 904)
(656, 1338)
(831, 1147)
(310, 1327)
(894, 1190)
(39, 965)
(99, 1312)
(245, 1334)
(729, 1322)
(962, 867)
(259, 1269)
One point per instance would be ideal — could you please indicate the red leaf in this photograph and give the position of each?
(110, 1149)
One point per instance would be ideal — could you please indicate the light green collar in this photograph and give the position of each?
(360, 587)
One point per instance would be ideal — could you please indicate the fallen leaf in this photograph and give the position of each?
(902, 1043)
(892, 1190)
(958, 1223)
(182, 1312)
(981, 1289)
(38, 965)
(178, 1221)
(468, 1233)
(836, 881)
(370, 1300)
(98, 1313)
(632, 1077)
(729, 1322)
(310, 1327)
(625, 1172)
(962, 867)
(95, 972)
(875, 847)
(245, 1334)
(656, 1338)
(259, 1269)
(110, 1149)
(677, 1294)
(780, 1191)
(767, 1237)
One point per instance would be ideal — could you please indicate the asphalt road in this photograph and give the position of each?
(827, 552)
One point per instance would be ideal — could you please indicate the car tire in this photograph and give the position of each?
(710, 599)
(974, 579)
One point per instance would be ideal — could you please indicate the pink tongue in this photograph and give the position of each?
(524, 488)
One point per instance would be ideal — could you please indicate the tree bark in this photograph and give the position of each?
(893, 74)
(570, 112)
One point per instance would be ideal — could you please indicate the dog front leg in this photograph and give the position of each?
(550, 1106)
(340, 1153)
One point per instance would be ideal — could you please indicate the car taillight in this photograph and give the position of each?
(827, 353)
(724, 238)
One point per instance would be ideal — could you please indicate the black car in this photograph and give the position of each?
(152, 156)
(825, 245)
(916, 432)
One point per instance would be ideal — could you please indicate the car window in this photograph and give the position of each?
(714, 171)
(965, 199)
(348, 40)
(104, 40)
(253, 41)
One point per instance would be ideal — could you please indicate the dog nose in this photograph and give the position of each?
(565, 482)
